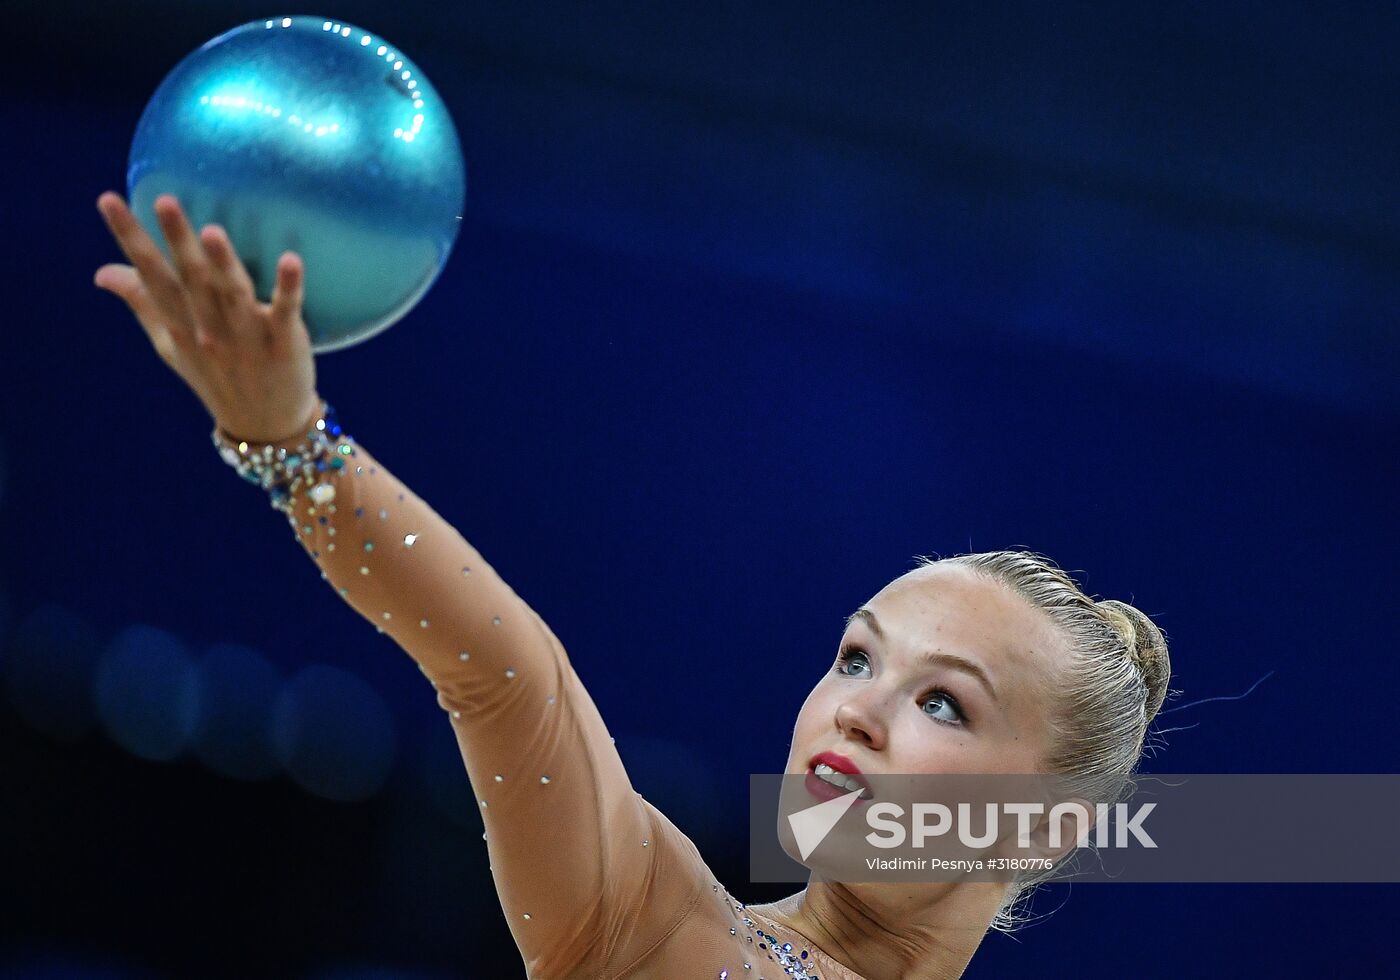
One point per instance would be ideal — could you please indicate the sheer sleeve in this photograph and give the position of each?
(590, 876)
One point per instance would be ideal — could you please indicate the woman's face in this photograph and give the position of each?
(905, 696)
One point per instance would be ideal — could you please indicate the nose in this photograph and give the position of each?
(861, 718)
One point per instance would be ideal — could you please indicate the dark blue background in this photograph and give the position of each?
(751, 305)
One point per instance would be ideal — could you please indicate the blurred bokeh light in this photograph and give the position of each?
(237, 690)
(147, 693)
(333, 734)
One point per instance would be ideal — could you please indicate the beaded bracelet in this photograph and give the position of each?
(281, 471)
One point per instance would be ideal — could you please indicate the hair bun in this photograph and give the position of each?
(1147, 648)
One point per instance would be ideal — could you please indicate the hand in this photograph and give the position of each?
(249, 362)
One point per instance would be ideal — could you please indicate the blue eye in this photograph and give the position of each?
(851, 660)
(851, 657)
(944, 700)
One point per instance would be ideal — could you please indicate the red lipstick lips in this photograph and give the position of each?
(834, 763)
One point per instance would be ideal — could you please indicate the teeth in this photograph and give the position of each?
(830, 775)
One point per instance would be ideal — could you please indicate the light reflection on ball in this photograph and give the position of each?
(316, 136)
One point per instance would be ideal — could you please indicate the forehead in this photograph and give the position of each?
(959, 610)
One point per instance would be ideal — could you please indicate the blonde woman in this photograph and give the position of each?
(1029, 675)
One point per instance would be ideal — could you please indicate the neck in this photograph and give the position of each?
(892, 931)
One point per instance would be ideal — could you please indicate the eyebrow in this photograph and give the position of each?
(936, 657)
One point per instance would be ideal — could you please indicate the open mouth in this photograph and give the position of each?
(827, 783)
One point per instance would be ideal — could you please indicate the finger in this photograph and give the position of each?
(288, 294)
(229, 278)
(192, 264)
(123, 282)
(156, 273)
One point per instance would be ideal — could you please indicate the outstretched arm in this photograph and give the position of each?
(591, 877)
(570, 841)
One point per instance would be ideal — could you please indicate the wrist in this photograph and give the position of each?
(236, 433)
(302, 463)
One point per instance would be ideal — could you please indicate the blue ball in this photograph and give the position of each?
(316, 136)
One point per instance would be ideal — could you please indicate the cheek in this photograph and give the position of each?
(813, 719)
(919, 745)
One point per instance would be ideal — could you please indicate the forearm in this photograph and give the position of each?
(411, 574)
(571, 843)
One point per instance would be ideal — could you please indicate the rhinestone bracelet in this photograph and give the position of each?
(281, 471)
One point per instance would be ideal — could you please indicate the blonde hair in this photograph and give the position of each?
(1114, 686)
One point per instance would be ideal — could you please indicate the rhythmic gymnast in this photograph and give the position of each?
(593, 880)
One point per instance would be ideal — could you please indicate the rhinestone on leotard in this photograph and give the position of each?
(792, 963)
(795, 964)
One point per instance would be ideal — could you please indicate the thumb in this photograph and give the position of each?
(121, 280)
(124, 282)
